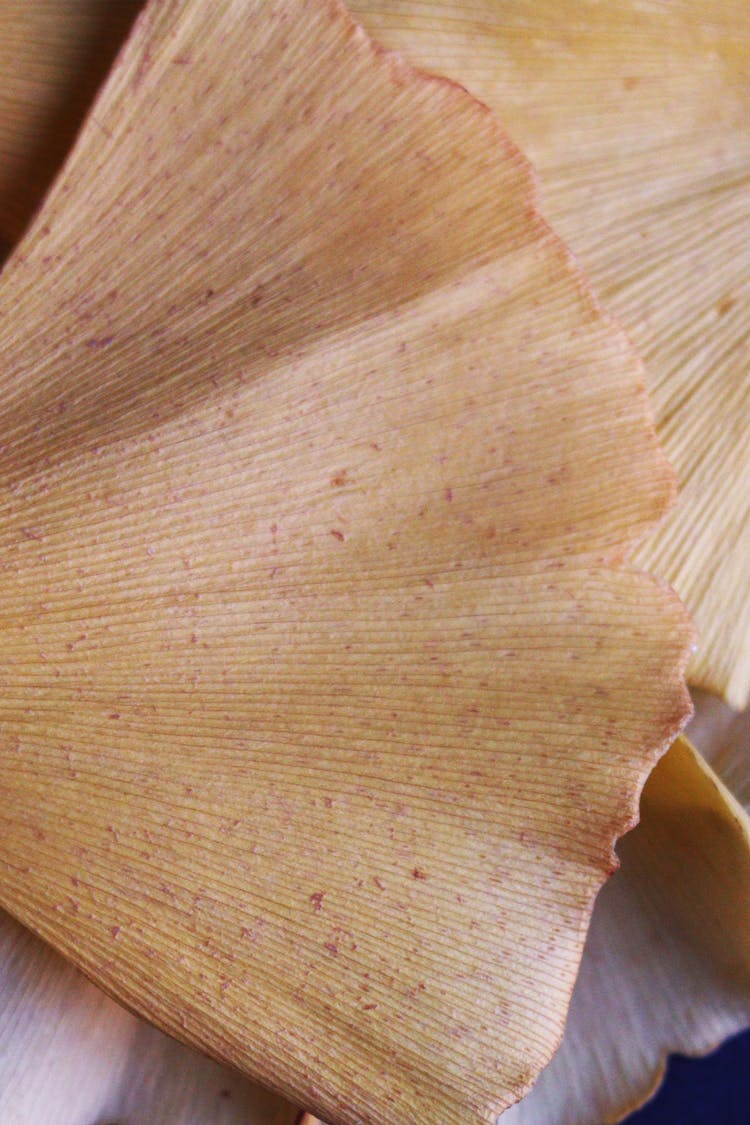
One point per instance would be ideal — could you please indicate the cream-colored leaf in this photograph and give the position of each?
(637, 117)
(723, 737)
(70, 1056)
(53, 56)
(319, 463)
(667, 960)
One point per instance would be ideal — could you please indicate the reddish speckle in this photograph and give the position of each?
(115, 931)
(99, 341)
(338, 480)
(225, 1094)
(417, 873)
(332, 948)
(114, 715)
(448, 494)
(368, 1007)
(317, 901)
(378, 883)
(337, 534)
(328, 802)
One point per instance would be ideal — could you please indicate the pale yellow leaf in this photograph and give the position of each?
(319, 465)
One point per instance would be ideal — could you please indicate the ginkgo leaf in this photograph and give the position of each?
(319, 463)
(632, 201)
(70, 1055)
(53, 56)
(637, 117)
(666, 965)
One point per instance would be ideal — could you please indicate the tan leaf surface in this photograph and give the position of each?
(632, 200)
(53, 56)
(666, 965)
(318, 463)
(70, 1056)
(637, 117)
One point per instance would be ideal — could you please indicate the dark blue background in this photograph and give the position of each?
(710, 1091)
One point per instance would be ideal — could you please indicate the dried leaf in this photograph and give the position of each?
(632, 203)
(319, 464)
(71, 1055)
(638, 119)
(666, 965)
(667, 960)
